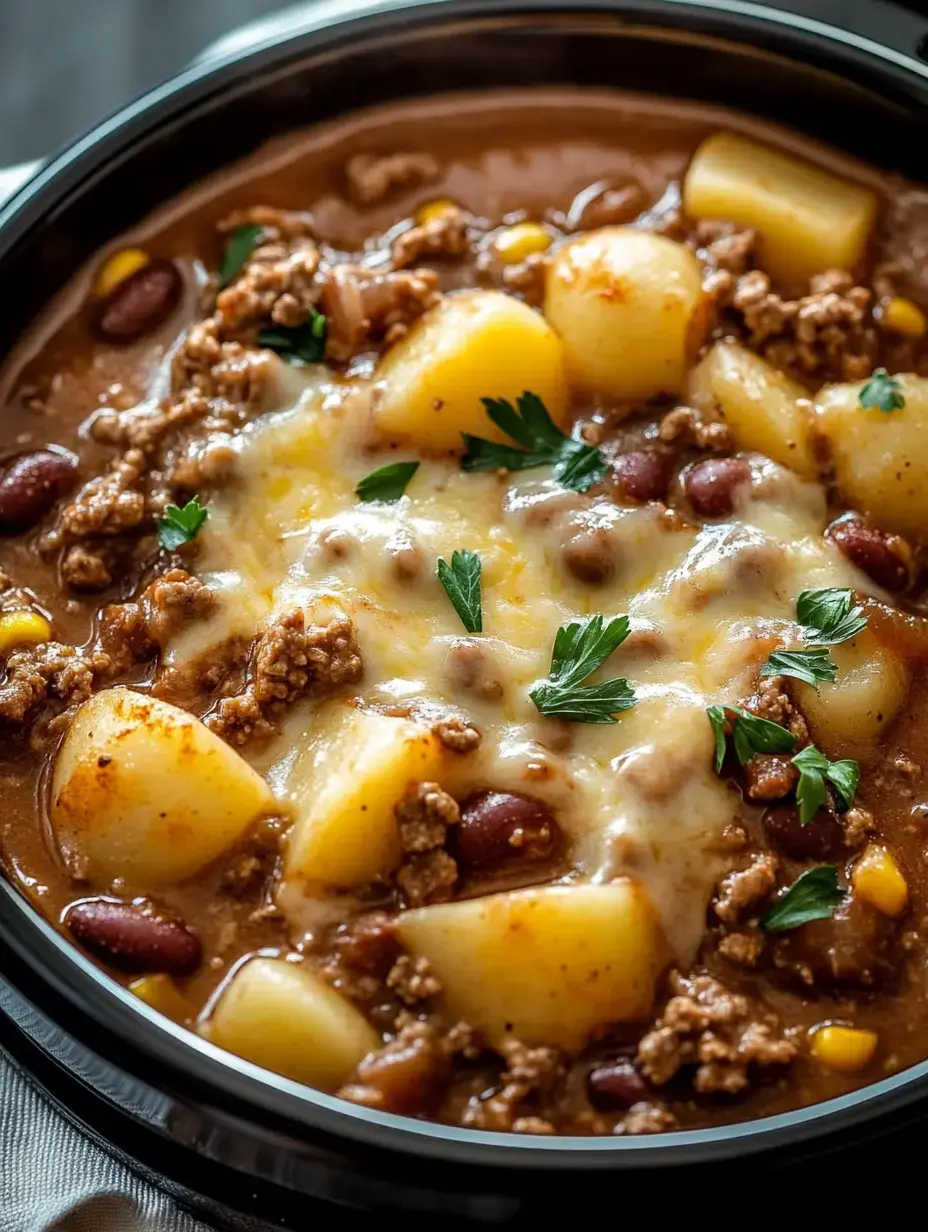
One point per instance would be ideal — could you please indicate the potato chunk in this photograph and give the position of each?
(764, 409)
(880, 459)
(630, 309)
(480, 344)
(551, 964)
(144, 791)
(281, 1016)
(344, 792)
(807, 219)
(866, 696)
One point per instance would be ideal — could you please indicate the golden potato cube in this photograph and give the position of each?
(283, 1017)
(345, 793)
(764, 410)
(878, 880)
(880, 459)
(901, 316)
(163, 995)
(22, 628)
(846, 1049)
(807, 219)
(551, 965)
(522, 240)
(144, 791)
(866, 695)
(631, 311)
(479, 344)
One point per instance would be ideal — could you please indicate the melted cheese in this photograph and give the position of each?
(638, 797)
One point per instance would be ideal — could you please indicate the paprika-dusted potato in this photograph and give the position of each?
(144, 791)
(631, 311)
(863, 700)
(283, 1017)
(480, 344)
(807, 220)
(550, 965)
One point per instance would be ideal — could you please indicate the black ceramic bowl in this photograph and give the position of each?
(218, 1130)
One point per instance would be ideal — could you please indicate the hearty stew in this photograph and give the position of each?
(463, 619)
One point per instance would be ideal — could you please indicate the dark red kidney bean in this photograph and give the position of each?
(31, 484)
(854, 949)
(822, 839)
(616, 1084)
(140, 303)
(129, 937)
(642, 475)
(884, 558)
(496, 825)
(712, 487)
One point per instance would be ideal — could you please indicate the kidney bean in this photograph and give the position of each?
(822, 839)
(616, 1084)
(712, 487)
(642, 475)
(499, 824)
(886, 559)
(129, 937)
(31, 484)
(140, 303)
(854, 949)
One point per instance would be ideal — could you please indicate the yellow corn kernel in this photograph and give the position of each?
(847, 1049)
(433, 210)
(901, 316)
(523, 240)
(163, 995)
(23, 628)
(878, 880)
(117, 268)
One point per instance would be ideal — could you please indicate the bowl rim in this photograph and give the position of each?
(58, 963)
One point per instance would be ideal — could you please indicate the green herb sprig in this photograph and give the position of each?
(750, 734)
(180, 525)
(814, 769)
(239, 247)
(814, 666)
(579, 649)
(387, 483)
(298, 344)
(461, 580)
(828, 616)
(883, 392)
(814, 895)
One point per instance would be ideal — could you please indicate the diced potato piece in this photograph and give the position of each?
(764, 409)
(901, 316)
(846, 1049)
(877, 879)
(22, 628)
(880, 459)
(807, 219)
(281, 1016)
(631, 311)
(867, 694)
(345, 794)
(162, 994)
(551, 964)
(480, 344)
(144, 791)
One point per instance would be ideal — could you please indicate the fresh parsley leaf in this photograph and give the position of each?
(813, 896)
(387, 483)
(814, 768)
(882, 391)
(299, 344)
(580, 648)
(828, 616)
(752, 734)
(812, 666)
(719, 723)
(461, 580)
(576, 465)
(844, 777)
(239, 246)
(180, 525)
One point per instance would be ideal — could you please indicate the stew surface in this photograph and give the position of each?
(462, 614)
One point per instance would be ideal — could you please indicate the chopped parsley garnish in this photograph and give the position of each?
(814, 768)
(828, 616)
(461, 580)
(882, 391)
(299, 344)
(239, 246)
(180, 525)
(750, 734)
(387, 483)
(813, 896)
(579, 649)
(812, 666)
(576, 465)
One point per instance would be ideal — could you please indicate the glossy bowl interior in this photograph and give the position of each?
(94, 1043)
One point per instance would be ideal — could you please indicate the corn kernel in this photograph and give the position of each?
(523, 240)
(162, 994)
(433, 210)
(117, 268)
(22, 628)
(878, 880)
(901, 316)
(847, 1049)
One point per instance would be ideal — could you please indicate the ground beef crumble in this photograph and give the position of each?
(372, 177)
(740, 892)
(428, 873)
(441, 237)
(457, 734)
(530, 1073)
